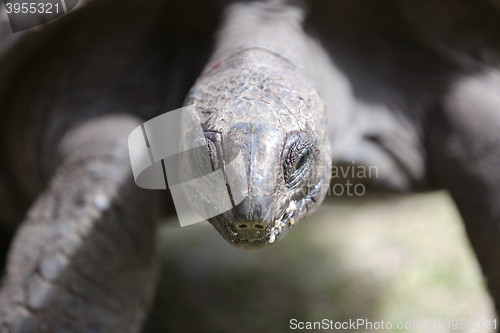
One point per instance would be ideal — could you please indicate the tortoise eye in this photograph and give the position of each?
(304, 158)
(297, 157)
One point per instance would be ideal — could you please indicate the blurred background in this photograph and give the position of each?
(398, 258)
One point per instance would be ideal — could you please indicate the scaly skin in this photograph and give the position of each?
(85, 241)
(257, 96)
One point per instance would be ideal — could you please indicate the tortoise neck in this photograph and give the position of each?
(275, 28)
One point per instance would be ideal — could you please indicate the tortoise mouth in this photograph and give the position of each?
(275, 231)
(272, 234)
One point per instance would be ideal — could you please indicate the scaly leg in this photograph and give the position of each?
(84, 259)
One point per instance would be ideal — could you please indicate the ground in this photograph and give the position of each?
(396, 258)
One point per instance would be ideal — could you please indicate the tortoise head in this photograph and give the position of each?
(265, 129)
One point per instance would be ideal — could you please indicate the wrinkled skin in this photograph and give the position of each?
(268, 109)
(379, 83)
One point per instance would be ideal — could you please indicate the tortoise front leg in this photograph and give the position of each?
(464, 151)
(84, 259)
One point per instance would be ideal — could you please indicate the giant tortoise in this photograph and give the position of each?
(411, 87)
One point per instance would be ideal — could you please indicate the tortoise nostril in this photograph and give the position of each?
(250, 230)
(250, 226)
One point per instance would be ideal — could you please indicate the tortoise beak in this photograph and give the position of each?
(260, 146)
(255, 186)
